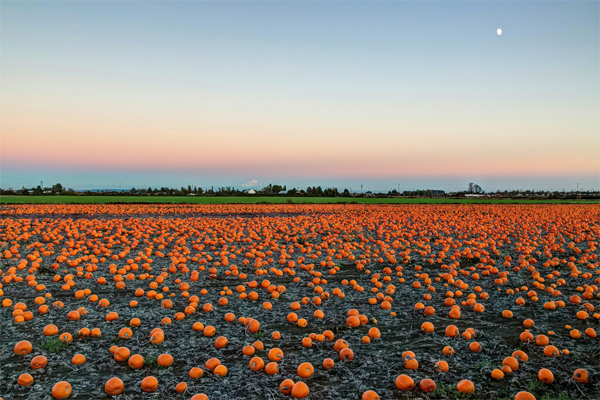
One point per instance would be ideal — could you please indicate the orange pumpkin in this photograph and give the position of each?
(405, 382)
(61, 390)
(114, 386)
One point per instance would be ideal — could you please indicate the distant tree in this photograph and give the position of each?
(58, 188)
(346, 193)
(24, 191)
(276, 188)
(38, 190)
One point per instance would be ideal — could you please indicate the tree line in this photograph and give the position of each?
(281, 190)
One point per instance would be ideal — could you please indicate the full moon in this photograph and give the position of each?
(499, 32)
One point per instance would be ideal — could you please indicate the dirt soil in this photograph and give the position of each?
(375, 366)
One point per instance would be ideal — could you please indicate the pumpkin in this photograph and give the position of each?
(506, 369)
(374, 333)
(328, 363)
(125, 334)
(65, 337)
(220, 370)
(340, 344)
(248, 350)
(271, 368)
(524, 396)
(38, 362)
(165, 360)
(405, 382)
(465, 386)
(114, 386)
(22, 348)
(196, 373)
(590, 332)
(452, 331)
(78, 359)
(198, 326)
(50, 330)
(136, 361)
(427, 327)
(551, 351)
(25, 380)
(346, 354)
(441, 366)
(520, 355)
(427, 385)
(256, 364)
(258, 345)
(181, 387)
(221, 342)
(305, 370)
(581, 375)
(286, 386)
(149, 384)
(497, 374)
(300, 390)
(546, 376)
(209, 331)
(353, 321)
(254, 326)
(122, 354)
(370, 395)
(157, 337)
(475, 347)
(511, 362)
(542, 340)
(61, 390)
(275, 354)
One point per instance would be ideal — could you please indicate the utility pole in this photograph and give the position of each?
(361, 185)
(398, 189)
(577, 197)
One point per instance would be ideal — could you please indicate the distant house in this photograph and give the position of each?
(250, 191)
(283, 192)
(474, 195)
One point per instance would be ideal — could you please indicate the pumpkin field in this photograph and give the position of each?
(316, 301)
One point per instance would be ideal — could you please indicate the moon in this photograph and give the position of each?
(499, 32)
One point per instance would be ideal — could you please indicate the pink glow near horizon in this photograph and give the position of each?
(295, 156)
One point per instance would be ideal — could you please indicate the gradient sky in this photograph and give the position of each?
(425, 94)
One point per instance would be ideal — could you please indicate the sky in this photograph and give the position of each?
(425, 95)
